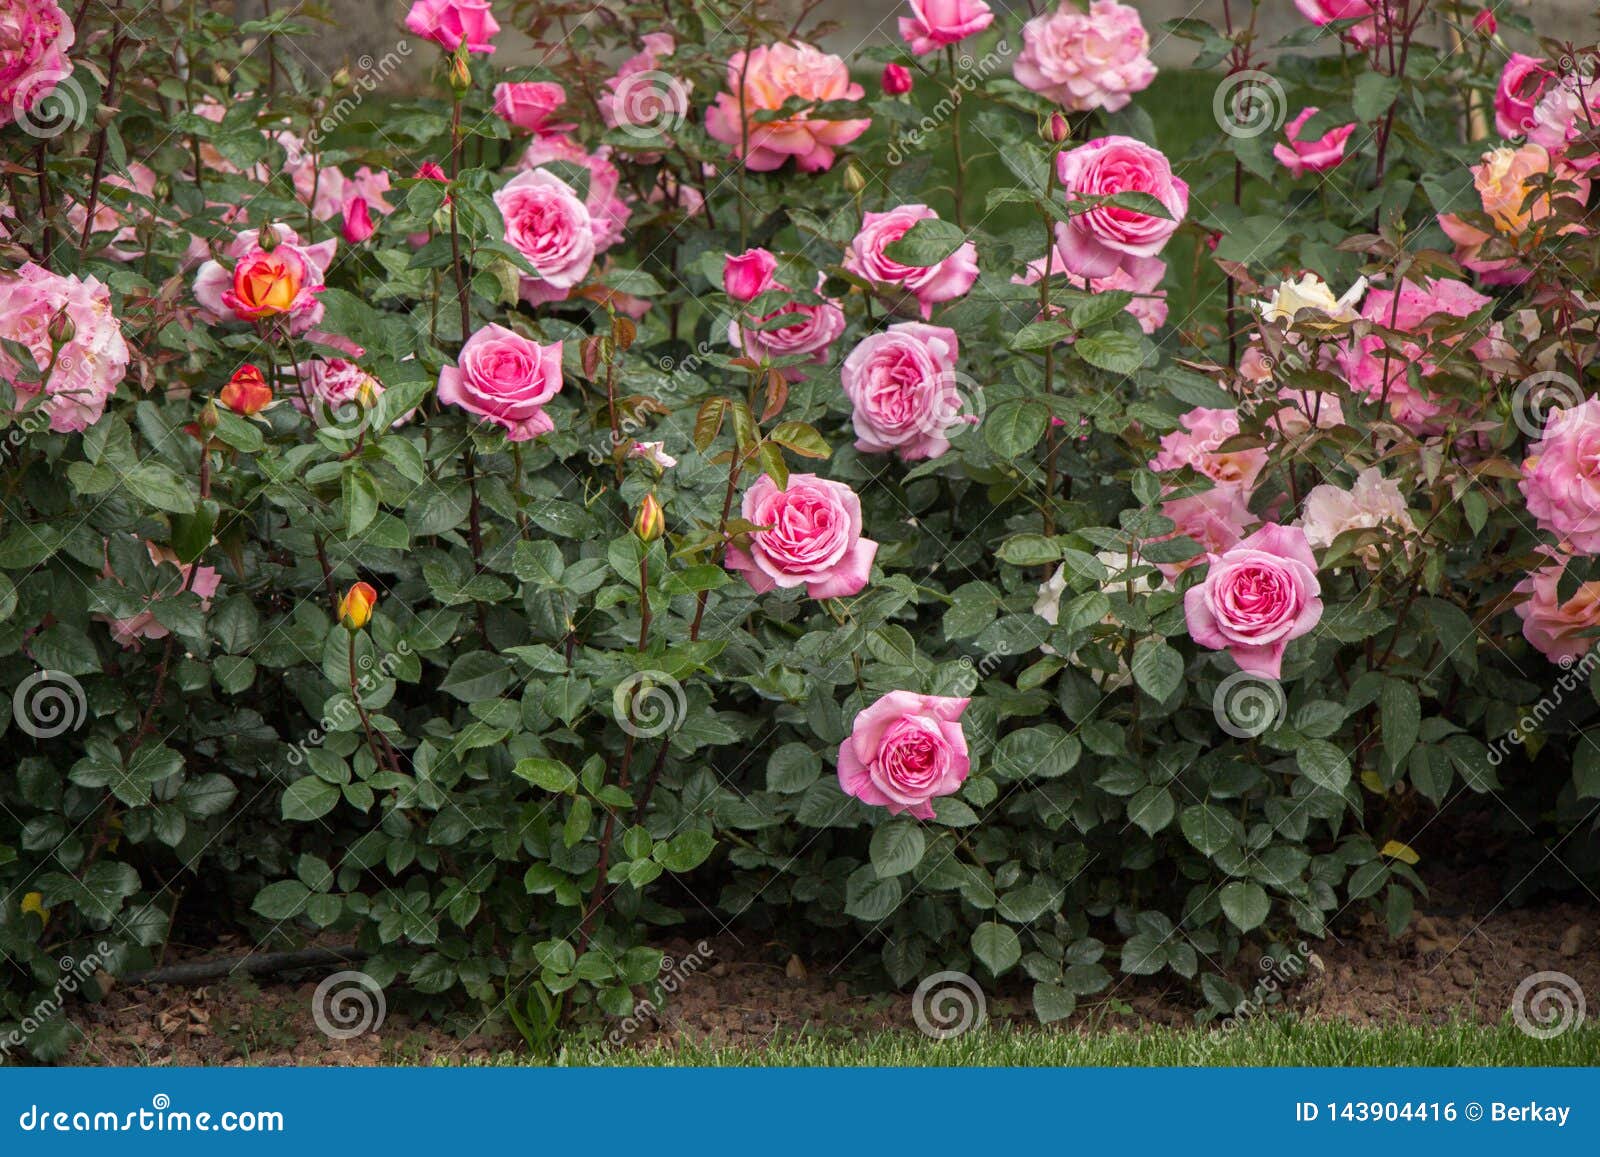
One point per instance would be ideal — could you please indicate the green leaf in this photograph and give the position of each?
(1051, 1002)
(1324, 764)
(926, 243)
(550, 774)
(897, 847)
(996, 946)
(1158, 669)
(1207, 827)
(309, 798)
(1245, 904)
(685, 851)
(1400, 714)
(1015, 427)
(1152, 808)
(1112, 351)
(281, 901)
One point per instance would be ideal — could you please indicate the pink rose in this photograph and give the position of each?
(905, 751)
(1215, 519)
(1373, 501)
(298, 269)
(810, 536)
(124, 244)
(1561, 631)
(641, 98)
(1522, 83)
(896, 79)
(144, 625)
(773, 74)
(1301, 156)
(1565, 112)
(1142, 277)
(547, 224)
(450, 22)
(935, 23)
(902, 386)
(1321, 12)
(1083, 61)
(1197, 444)
(1100, 240)
(1256, 597)
(608, 210)
(943, 281)
(505, 378)
(79, 377)
(340, 392)
(358, 224)
(816, 326)
(1561, 477)
(530, 104)
(34, 38)
(748, 275)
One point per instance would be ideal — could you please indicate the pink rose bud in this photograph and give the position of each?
(749, 275)
(358, 224)
(1484, 23)
(1059, 129)
(896, 79)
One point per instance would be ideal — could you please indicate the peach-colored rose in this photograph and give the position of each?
(771, 75)
(1561, 631)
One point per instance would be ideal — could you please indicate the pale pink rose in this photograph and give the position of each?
(905, 751)
(929, 284)
(1100, 240)
(1561, 631)
(1142, 276)
(749, 275)
(339, 392)
(450, 22)
(1301, 156)
(773, 74)
(1565, 112)
(935, 23)
(816, 326)
(608, 209)
(505, 378)
(1561, 477)
(144, 625)
(214, 281)
(76, 375)
(1373, 501)
(115, 212)
(902, 387)
(530, 105)
(34, 38)
(653, 452)
(643, 97)
(1305, 410)
(1197, 444)
(1215, 519)
(1085, 61)
(547, 224)
(810, 536)
(1256, 598)
(1522, 83)
(1321, 12)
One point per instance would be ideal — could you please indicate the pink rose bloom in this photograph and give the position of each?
(34, 38)
(1372, 502)
(1256, 597)
(529, 105)
(547, 224)
(213, 281)
(1301, 156)
(505, 378)
(817, 326)
(749, 275)
(896, 79)
(810, 536)
(145, 625)
(1215, 519)
(1303, 411)
(340, 392)
(450, 22)
(1142, 277)
(935, 23)
(643, 97)
(358, 224)
(775, 73)
(654, 453)
(608, 210)
(902, 386)
(1522, 83)
(944, 281)
(1568, 106)
(905, 751)
(1085, 61)
(80, 378)
(1321, 12)
(1196, 444)
(1561, 477)
(124, 244)
(1557, 629)
(1097, 242)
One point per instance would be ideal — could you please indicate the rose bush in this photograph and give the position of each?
(958, 525)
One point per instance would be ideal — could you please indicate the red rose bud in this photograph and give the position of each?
(430, 171)
(650, 522)
(247, 391)
(355, 609)
(896, 79)
(358, 224)
(748, 275)
(1484, 23)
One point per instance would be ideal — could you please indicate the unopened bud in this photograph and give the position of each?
(650, 522)
(460, 74)
(355, 609)
(854, 179)
(1058, 129)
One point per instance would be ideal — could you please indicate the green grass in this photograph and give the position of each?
(1284, 1042)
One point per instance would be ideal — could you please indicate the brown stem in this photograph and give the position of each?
(734, 465)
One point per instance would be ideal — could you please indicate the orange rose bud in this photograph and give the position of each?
(247, 391)
(650, 522)
(355, 609)
(267, 283)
